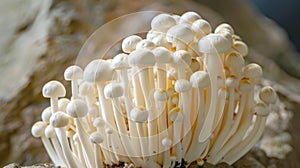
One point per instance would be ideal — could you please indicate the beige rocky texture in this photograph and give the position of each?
(73, 21)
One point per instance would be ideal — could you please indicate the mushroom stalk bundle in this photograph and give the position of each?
(181, 95)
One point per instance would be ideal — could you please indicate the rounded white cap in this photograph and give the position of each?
(182, 85)
(253, 71)
(98, 71)
(54, 89)
(77, 108)
(129, 43)
(240, 47)
(120, 61)
(161, 40)
(46, 114)
(73, 72)
(214, 43)
(62, 104)
(167, 142)
(268, 95)
(261, 109)
(200, 79)
(108, 130)
(145, 44)
(234, 60)
(113, 90)
(162, 55)
(161, 95)
(50, 132)
(189, 17)
(141, 57)
(139, 114)
(96, 138)
(181, 58)
(86, 89)
(180, 33)
(224, 27)
(201, 27)
(59, 119)
(38, 129)
(151, 34)
(162, 22)
(98, 122)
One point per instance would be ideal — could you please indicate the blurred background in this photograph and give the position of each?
(39, 39)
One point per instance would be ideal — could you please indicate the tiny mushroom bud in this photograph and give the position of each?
(145, 44)
(224, 27)
(77, 108)
(240, 47)
(268, 95)
(46, 114)
(54, 90)
(253, 71)
(201, 28)
(73, 74)
(129, 43)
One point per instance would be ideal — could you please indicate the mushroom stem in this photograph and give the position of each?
(98, 156)
(52, 154)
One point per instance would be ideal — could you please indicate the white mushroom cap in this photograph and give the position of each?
(129, 43)
(161, 95)
(120, 61)
(54, 89)
(161, 40)
(261, 109)
(73, 72)
(182, 85)
(180, 33)
(232, 82)
(50, 132)
(253, 71)
(224, 27)
(59, 119)
(175, 114)
(245, 85)
(98, 123)
(96, 138)
(38, 129)
(214, 43)
(141, 57)
(189, 18)
(108, 130)
(201, 27)
(167, 142)
(162, 55)
(46, 114)
(77, 108)
(200, 79)
(86, 89)
(62, 104)
(151, 34)
(162, 22)
(176, 17)
(98, 71)
(268, 95)
(94, 110)
(113, 90)
(234, 60)
(139, 114)
(181, 58)
(145, 44)
(240, 47)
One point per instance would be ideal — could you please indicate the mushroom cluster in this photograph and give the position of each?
(182, 94)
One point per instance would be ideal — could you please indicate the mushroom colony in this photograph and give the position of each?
(181, 95)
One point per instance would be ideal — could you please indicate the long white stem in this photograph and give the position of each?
(106, 108)
(213, 66)
(244, 146)
(53, 156)
(177, 140)
(58, 149)
(98, 158)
